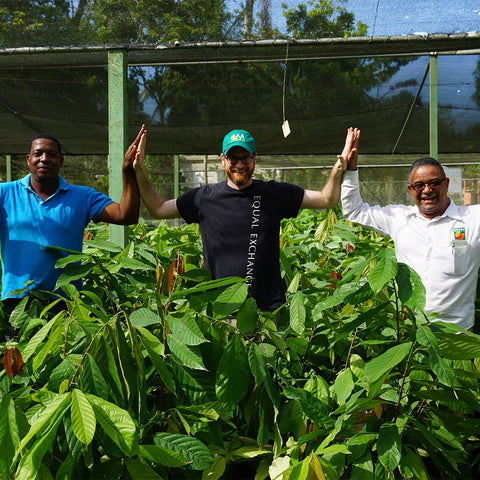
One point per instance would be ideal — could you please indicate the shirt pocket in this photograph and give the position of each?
(461, 254)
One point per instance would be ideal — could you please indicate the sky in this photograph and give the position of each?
(396, 17)
(415, 17)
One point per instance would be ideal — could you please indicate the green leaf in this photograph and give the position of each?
(155, 350)
(216, 469)
(389, 446)
(314, 408)
(36, 340)
(116, 423)
(297, 313)
(230, 299)
(425, 336)
(134, 264)
(384, 270)
(442, 369)
(30, 465)
(66, 469)
(46, 419)
(92, 380)
(186, 329)
(232, 376)
(343, 386)
(257, 363)
(459, 347)
(247, 315)
(379, 366)
(102, 244)
(83, 417)
(140, 470)
(74, 258)
(412, 466)
(410, 288)
(190, 356)
(162, 456)
(65, 370)
(73, 272)
(9, 435)
(192, 449)
(198, 388)
(210, 285)
(144, 317)
(363, 469)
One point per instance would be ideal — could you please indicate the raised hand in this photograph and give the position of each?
(349, 155)
(136, 151)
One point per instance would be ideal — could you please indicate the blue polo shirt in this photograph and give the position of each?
(28, 224)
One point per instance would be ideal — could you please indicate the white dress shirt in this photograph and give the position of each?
(444, 251)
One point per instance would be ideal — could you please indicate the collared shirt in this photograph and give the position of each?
(444, 251)
(28, 224)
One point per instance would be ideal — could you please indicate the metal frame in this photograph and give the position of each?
(119, 57)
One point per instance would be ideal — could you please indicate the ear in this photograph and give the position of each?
(410, 188)
(224, 160)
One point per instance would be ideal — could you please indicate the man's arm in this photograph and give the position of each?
(157, 206)
(329, 195)
(126, 212)
(380, 219)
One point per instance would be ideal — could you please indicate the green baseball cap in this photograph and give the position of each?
(238, 138)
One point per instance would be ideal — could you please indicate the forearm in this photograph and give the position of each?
(331, 190)
(130, 199)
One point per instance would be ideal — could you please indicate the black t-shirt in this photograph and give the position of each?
(240, 232)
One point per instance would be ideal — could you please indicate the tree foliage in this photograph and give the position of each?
(145, 374)
(196, 96)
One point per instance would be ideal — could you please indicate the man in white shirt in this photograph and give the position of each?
(438, 239)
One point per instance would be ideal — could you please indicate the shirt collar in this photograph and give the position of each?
(452, 211)
(62, 183)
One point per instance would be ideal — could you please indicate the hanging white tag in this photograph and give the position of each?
(286, 129)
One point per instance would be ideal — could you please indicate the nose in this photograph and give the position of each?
(427, 188)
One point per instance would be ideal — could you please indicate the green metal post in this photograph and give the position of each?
(8, 159)
(176, 176)
(176, 180)
(117, 132)
(434, 106)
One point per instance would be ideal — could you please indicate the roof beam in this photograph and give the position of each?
(241, 51)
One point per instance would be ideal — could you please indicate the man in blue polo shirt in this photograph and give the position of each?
(42, 210)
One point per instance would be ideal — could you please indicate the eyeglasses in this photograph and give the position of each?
(419, 186)
(246, 159)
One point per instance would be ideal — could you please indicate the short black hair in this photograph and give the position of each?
(426, 161)
(47, 136)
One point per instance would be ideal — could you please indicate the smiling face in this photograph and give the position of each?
(44, 160)
(429, 189)
(239, 165)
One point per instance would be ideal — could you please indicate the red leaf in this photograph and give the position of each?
(178, 265)
(12, 361)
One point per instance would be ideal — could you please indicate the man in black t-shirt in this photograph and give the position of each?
(240, 218)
